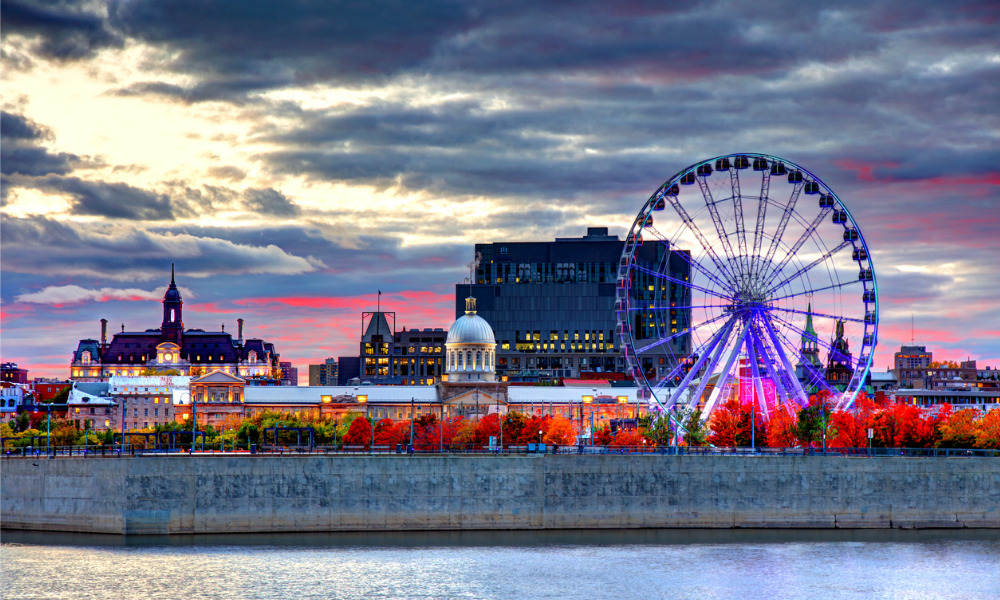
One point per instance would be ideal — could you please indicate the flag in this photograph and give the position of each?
(380, 292)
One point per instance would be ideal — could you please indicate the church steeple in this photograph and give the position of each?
(172, 328)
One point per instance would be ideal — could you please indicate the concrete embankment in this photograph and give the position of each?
(252, 494)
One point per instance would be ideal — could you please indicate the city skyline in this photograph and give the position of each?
(295, 161)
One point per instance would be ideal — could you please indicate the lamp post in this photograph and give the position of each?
(363, 399)
(586, 402)
(411, 421)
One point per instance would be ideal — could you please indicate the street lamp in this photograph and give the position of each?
(363, 399)
(411, 421)
(586, 401)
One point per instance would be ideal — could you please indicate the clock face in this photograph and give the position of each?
(168, 356)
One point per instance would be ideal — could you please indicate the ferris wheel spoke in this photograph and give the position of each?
(706, 351)
(814, 376)
(665, 308)
(816, 314)
(679, 365)
(682, 333)
(758, 231)
(793, 381)
(783, 222)
(723, 379)
(720, 350)
(720, 230)
(696, 231)
(821, 289)
(741, 234)
(690, 261)
(854, 363)
(805, 269)
(681, 282)
(781, 383)
(810, 230)
(758, 386)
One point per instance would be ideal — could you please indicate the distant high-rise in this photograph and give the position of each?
(552, 305)
(324, 374)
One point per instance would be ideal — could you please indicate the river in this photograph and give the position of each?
(592, 565)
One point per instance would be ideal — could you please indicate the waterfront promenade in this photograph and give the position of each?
(286, 493)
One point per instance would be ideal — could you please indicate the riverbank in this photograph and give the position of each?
(259, 494)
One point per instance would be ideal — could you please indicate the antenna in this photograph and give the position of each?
(911, 329)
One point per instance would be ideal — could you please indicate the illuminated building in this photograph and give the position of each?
(173, 350)
(552, 305)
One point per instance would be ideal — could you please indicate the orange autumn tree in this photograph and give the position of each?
(560, 431)
(629, 438)
(781, 429)
(988, 431)
(849, 428)
(958, 429)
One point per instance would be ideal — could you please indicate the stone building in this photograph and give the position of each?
(173, 350)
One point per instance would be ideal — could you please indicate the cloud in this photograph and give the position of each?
(124, 252)
(21, 152)
(62, 29)
(74, 294)
(19, 127)
(269, 201)
(112, 200)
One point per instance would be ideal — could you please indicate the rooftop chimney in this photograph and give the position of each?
(240, 329)
(104, 332)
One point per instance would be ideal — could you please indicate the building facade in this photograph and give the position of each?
(324, 374)
(172, 349)
(552, 305)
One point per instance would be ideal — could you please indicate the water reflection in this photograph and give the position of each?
(702, 564)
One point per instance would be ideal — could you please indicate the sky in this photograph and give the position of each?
(294, 158)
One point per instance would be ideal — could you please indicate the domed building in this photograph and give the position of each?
(470, 348)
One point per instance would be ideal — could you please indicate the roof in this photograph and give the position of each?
(470, 328)
(529, 394)
(314, 393)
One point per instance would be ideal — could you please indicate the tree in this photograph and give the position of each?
(359, 434)
(695, 432)
(627, 438)
(560, 432)
(781, 429)
(488, 426)
(513, 424)
(988, 431)
(811, 421)
(958, 430)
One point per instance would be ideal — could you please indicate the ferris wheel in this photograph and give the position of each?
(745, 276)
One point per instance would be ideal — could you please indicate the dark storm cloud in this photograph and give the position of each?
(66, 30)
(21, 151)
(54, 249)
(112, 200)
(19, 127)
(269, 202)
(236, 46)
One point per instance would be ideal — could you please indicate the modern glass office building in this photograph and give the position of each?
(552, 304)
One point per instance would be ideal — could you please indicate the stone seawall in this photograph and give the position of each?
(253, 494)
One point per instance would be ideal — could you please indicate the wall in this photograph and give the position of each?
(203, 494)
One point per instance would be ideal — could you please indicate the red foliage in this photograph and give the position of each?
(988, 430)
(849, 428)
(359, 433)
(781, 429)
(488, 426)
(627, 438)
(560, 432)
(731, 424)
(529, 433)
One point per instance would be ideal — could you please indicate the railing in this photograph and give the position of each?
(107, 451)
